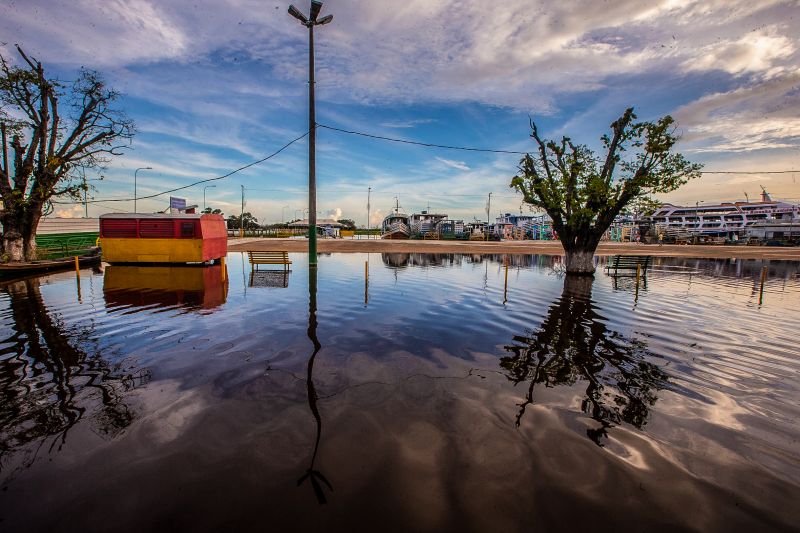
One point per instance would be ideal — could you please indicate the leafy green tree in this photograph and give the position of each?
(583, 193)
(51, 133)
(209, 211)
(235, 221)
(347, 224)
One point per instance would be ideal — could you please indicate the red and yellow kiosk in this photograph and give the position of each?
(157, 238)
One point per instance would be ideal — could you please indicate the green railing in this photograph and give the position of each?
(64, 244)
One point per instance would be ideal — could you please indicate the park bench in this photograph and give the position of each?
(269, 258)
(627, 264)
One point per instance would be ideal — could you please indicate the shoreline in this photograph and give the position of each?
(247, 244)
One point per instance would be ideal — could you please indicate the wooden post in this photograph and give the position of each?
(224, 269)
(366, 282)
(761, 289)
(77, 267)
(505, 284)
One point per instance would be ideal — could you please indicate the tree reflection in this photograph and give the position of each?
(315, 477)
(48, 383)
(574, 345)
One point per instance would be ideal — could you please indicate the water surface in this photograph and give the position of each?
(401, 392)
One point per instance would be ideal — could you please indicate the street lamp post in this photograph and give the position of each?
(204, 195)
(135, 172)
(309, 23)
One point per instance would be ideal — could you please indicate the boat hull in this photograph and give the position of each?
(23, 269)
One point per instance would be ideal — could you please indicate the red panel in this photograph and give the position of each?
(156, 228)
(118, 228)
(215, 237)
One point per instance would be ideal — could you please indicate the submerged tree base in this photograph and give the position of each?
(579, 262)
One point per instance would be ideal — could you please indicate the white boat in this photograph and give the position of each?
(395, 225)
(725, 218)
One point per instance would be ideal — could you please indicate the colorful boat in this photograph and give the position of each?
(156, 238)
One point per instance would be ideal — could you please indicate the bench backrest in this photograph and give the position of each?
(268, 257)
(629, 261)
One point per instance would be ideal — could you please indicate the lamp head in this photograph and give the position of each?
(293, 11)
(324, 20)
(316, 7)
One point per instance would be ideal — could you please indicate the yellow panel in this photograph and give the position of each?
(152, 250)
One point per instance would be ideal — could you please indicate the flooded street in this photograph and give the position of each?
(401, 392)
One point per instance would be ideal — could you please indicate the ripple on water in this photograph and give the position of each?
(686, 373)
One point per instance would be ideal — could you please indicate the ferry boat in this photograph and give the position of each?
(395, 225)
(725, 219)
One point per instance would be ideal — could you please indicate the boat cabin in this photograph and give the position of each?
(157, 238)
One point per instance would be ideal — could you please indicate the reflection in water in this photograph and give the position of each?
(572, 345)
(314, 476)
(48, 382)
(196, 287)
(270, 278)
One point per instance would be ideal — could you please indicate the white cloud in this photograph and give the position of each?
(75, 211)
(402, 124)
(762, 115)
(755, 52)
(458, 165)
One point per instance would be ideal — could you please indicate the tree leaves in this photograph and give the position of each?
(583, 193)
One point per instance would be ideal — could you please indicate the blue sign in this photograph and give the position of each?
(177, 203)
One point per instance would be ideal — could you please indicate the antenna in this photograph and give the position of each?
(746, 197)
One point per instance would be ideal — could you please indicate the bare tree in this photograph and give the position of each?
(45, 145)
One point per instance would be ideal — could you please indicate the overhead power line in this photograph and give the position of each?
(429, 145)
(749, 171)
(231, 173)
(499, 151)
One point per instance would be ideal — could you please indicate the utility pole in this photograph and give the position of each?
(309, 23)
(369, 193)
(241, 218)
(488, 210)
(135, 172)
(85, 195)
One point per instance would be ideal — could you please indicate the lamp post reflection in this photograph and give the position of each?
(574, 345)
(312, 475)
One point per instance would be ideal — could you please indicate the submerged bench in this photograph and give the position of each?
(269, 258)
(627, 263)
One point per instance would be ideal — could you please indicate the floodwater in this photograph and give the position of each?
(401, 392)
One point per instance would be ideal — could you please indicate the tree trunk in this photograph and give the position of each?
(579, 261)
(19, 238)
(13, 243)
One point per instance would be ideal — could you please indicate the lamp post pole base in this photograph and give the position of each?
(312, 245)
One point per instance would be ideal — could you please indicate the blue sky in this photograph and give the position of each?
(215, 85)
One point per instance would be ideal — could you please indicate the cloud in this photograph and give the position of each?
(755, 52)
(412, 123)
(762, 115)
(458, 165)
(335, 213)
(75, 211)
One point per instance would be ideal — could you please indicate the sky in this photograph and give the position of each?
(215, 85)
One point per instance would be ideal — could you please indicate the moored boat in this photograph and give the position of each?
(395, 225)
(30, 268)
